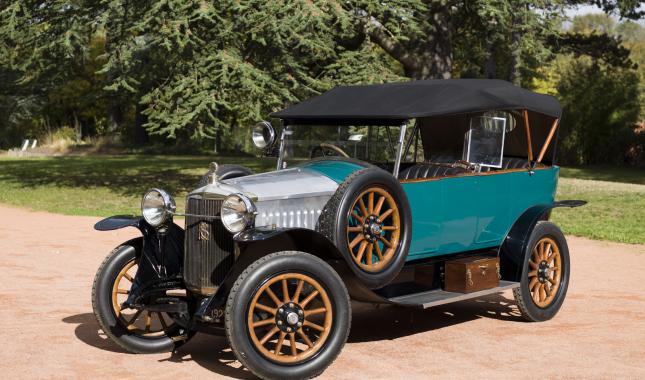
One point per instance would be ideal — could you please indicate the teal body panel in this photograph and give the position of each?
(457, 214)
(337, 171)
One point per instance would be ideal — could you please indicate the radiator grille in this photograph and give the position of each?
(209, 247)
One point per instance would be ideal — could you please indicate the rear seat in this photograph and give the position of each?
(439, 166)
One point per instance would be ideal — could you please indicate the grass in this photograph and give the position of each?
(104, 185)
(616, 210)
(108, 185)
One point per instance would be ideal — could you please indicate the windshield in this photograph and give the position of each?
(374, 144)
(484, 141)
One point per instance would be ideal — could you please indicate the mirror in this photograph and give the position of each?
(263, 134)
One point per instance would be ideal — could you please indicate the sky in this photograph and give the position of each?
(583, 9)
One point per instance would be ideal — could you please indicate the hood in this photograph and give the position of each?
(291, 183)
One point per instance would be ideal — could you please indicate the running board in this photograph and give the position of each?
(440, 297)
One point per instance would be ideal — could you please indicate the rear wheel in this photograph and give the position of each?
(137, 331)
(288, 316)
(545, 275)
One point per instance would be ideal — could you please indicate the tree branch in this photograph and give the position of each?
(392, 47)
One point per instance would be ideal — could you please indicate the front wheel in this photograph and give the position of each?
(288, 316)
(545, 275)
(136, 331)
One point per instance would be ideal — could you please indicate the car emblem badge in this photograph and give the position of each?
(204, 231)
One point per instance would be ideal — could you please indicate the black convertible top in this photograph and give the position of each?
(392, 103)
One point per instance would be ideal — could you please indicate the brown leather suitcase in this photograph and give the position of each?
(471, 274)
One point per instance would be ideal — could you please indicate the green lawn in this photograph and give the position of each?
(107, 185)
(104, 185)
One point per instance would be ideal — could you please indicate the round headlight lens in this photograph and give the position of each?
(157, 207)
(237, 213)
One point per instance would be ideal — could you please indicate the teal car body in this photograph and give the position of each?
(456, 214)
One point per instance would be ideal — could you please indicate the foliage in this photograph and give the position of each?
(205, 71)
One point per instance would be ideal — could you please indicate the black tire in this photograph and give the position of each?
(528, 306)
(226, 171)
(105, 314)
(334, 222)
(238, 307)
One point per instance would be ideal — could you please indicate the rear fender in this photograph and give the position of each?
(160, 254)
(259, 242)
(513, 248)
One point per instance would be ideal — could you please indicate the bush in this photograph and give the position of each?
(601, 109)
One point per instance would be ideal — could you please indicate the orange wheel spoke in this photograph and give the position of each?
(387, 243)
(552, 281)
(542, 293)
(305, 338)
(123, 291)
(355, 229)
(275, 298)
(379, 205)
(386, 214)
(265, 308)
(148, 321)
(292, 342)
(310, 297)
(356, 240)
(264, 322)
(390, 228)
(370, 203)
(268, 335)
(127, 275)
(314, 326)
(285, 290)
(356, 216)
(319, 310)
(378, 251)
(296, 295)
(361, 250)
(278, 347)
(369, 254)
(533, 273)
(533, 265)
(532, 283)
(361, 204)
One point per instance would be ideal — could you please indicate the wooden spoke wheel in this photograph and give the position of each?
(545, 272)
(138, 322)
(374, 228)
(289, 318)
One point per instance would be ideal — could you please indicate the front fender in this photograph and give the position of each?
(160, 254)
(513, 248)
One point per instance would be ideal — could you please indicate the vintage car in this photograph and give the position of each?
(381, 194)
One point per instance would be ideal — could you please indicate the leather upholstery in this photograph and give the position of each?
(430, 170)
(514, 163)
(439, 167)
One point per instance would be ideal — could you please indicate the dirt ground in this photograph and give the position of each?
(48, 330)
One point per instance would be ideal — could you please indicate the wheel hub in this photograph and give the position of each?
(543, 271)
(372, 228)
(289, 317)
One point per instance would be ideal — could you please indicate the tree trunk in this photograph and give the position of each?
(514, 75)
(141, 136)
(435, 54)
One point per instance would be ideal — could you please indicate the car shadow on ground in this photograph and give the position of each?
(214, 354)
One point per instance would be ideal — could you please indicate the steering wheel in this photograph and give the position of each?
(324, 146)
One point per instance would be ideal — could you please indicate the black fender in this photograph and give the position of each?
(255, 243)
(513, 249)
(160, 252)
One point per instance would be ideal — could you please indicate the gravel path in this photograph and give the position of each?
(48, 331)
